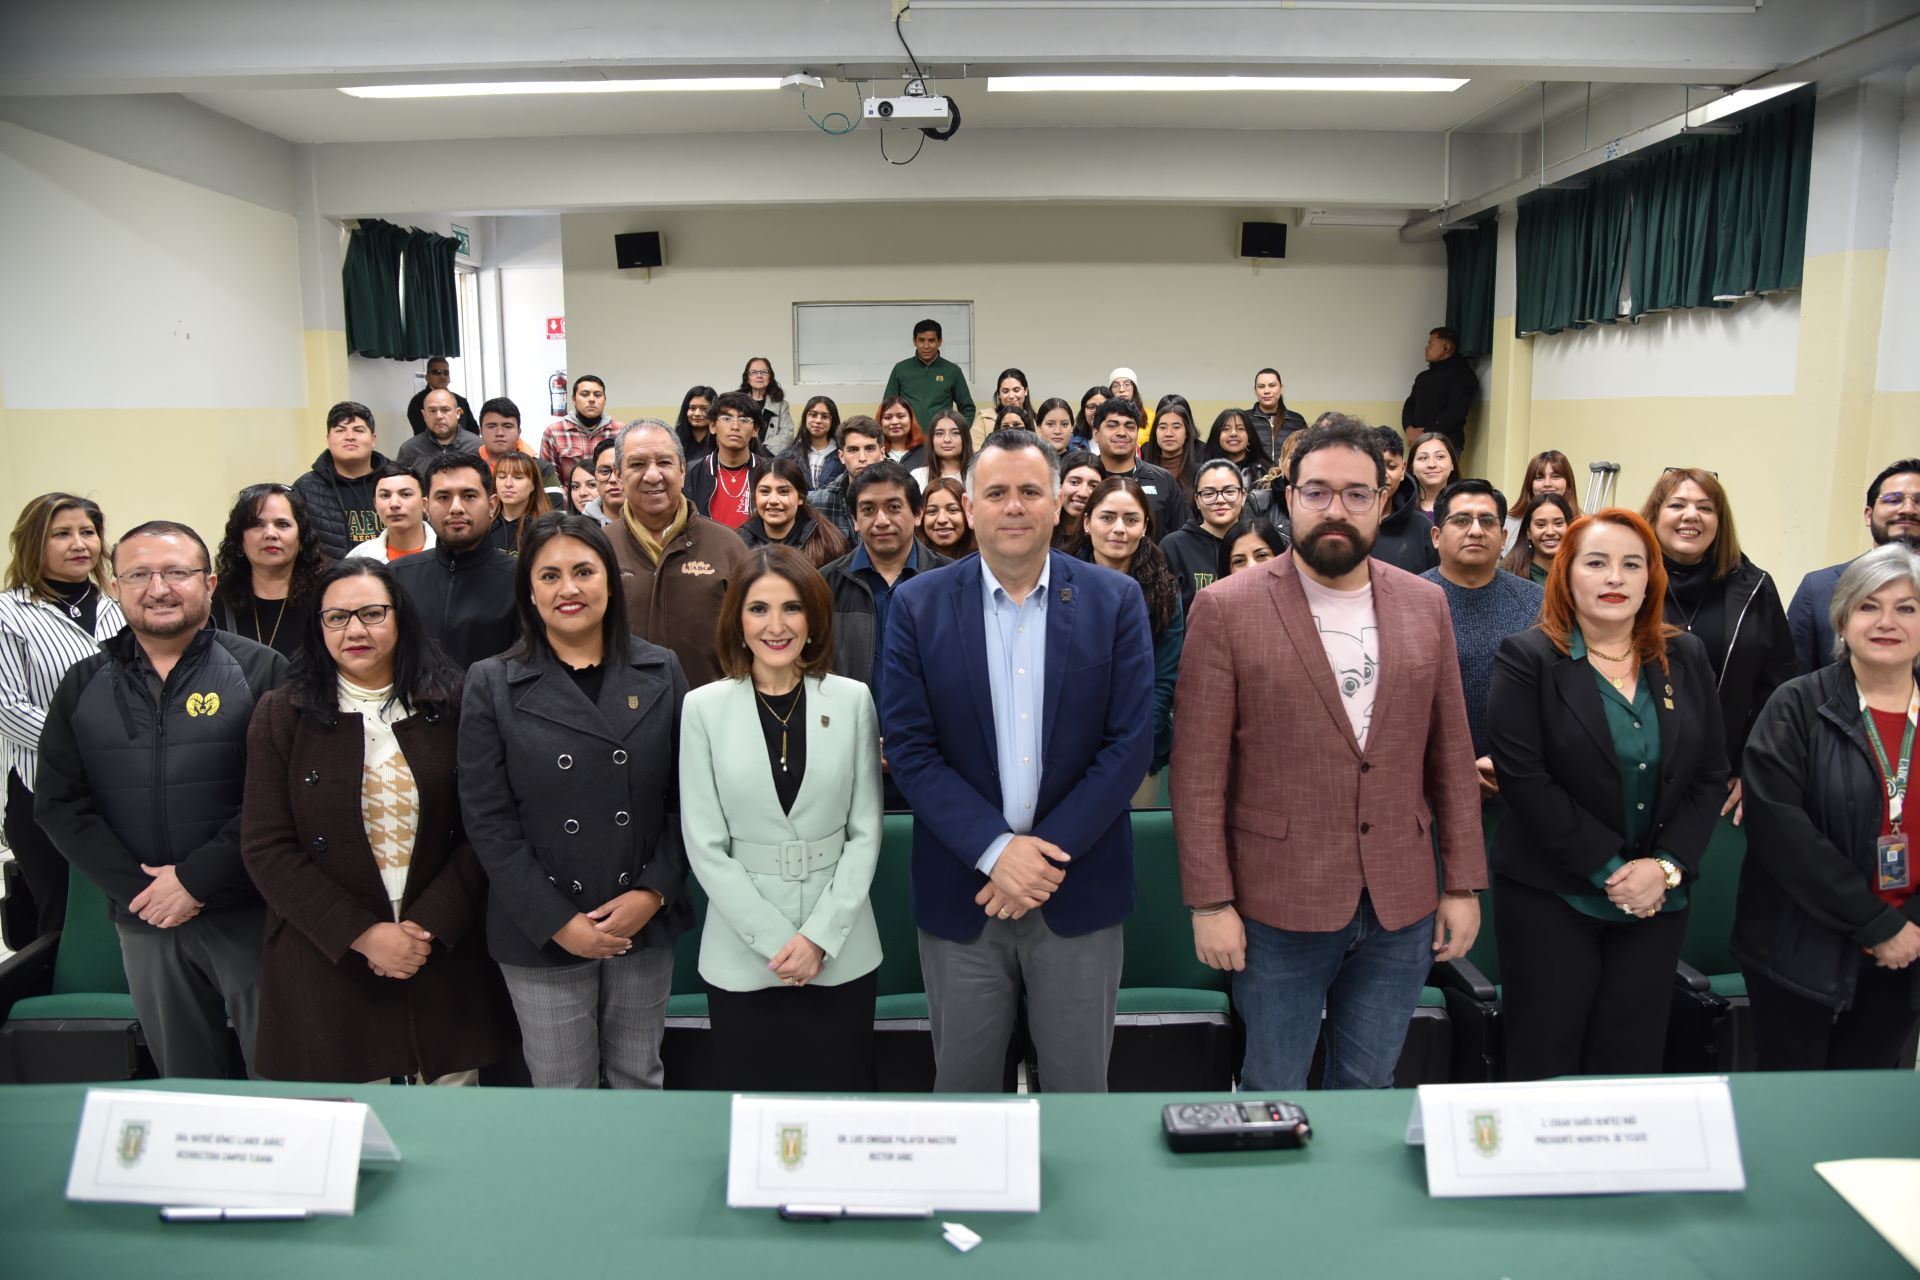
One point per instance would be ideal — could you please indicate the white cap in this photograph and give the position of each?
(1128, 374)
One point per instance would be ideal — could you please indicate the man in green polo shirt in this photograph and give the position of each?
(929, 383)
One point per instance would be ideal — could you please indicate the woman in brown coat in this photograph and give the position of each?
(375, 963)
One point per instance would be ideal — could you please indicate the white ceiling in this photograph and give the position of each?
(326, 115)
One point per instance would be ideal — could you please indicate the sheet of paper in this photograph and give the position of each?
(853, 1154)
(1884, 1192)
(1578, 1137)
(148, 1147)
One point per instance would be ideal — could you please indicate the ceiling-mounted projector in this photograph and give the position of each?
(915, 112)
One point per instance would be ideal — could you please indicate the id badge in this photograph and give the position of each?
(1890, 862)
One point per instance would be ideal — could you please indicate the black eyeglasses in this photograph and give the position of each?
(370, 615)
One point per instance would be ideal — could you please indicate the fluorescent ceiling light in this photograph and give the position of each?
(1219, 84)
(512, 87)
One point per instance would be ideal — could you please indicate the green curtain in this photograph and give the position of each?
(1471, 255)
(1571, 255)
(432, 303)
(1697, 222)
(370, 279)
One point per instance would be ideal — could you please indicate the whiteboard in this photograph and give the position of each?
(850, 343)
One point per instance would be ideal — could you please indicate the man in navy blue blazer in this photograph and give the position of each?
(1017, 715)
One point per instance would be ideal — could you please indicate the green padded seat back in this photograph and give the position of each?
(903, 1004)
(1484, 954)
(686, 952)
(1159, 934)
(89, 957)
(892, 898)
(1710, 900)
(1171, 1000)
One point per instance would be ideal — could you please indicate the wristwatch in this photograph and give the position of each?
(1673, 872)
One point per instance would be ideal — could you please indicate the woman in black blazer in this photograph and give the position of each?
(1730, 603)
(1606, 738)
(1827, 928)
(568, 780)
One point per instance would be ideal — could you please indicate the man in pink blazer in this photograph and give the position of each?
(1320, 736)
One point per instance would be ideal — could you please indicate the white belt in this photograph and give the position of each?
(790, 859)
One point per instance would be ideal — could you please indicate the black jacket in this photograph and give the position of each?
(125, 781)
(1193, 553)
(569, 803)
(1170, 505)
(703, 482)
(465, 599)
(1441, 398)
(854, 642)
(1758, 657)
(1814, 807)
(1558, 775)
(1263, 426)
(754, 533)
(341, 510)
(1406, 535)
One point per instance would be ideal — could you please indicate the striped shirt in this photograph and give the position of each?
(38, 642)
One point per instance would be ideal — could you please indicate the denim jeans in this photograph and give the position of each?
(1366, 977)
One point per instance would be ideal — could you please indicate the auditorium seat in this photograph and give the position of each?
(67, 1015)
(1710, 1029)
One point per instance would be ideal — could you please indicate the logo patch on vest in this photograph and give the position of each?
(203, 704)
(699, 568)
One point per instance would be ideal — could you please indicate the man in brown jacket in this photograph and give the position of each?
(674, 562)
(1320, 753)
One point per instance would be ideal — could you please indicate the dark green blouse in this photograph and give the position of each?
(1636, 752)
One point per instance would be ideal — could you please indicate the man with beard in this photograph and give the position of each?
(463, 588)
(142, 764)
(1893, 515)
(439, 378)
(570, 440)
(1312, 731)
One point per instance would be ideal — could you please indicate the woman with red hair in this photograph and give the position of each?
(1607, 741)
(900, 431)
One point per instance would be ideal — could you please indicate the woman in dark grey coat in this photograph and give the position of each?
(568, 768)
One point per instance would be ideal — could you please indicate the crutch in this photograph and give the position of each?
(1601, 479)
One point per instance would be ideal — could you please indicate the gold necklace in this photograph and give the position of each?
(1618, 682)
(278, 618)
(782, 720)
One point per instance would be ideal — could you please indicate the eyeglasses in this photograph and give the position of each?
(1227, 494)
(141, 579)
(606, 473)
(370, 615)
(1893, 499)
(1318, 497)
(1464, 520)
(1668, 471)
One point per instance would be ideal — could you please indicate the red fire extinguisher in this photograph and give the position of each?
(557, 393)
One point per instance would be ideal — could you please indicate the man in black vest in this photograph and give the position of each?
(142, 763)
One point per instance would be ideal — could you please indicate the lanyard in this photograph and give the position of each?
(1896, 783)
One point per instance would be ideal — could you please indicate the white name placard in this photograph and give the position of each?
(1578, 1137)
(294, 1154)
(851, 1155)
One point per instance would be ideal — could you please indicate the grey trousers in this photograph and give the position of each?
(187, 981)
(973, 994)
(600, 1017)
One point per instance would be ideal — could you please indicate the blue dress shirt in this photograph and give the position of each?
(1016, 678)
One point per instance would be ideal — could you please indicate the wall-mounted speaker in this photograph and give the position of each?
(1263, 239)
(644, 249)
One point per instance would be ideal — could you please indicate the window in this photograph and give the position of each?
(850, 343)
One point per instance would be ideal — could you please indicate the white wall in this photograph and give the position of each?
(1064, 292)
(1900, 322)
(528, 295)
(126, 289)
(1749, 349)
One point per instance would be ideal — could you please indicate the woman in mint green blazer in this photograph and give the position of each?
(780, 808)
